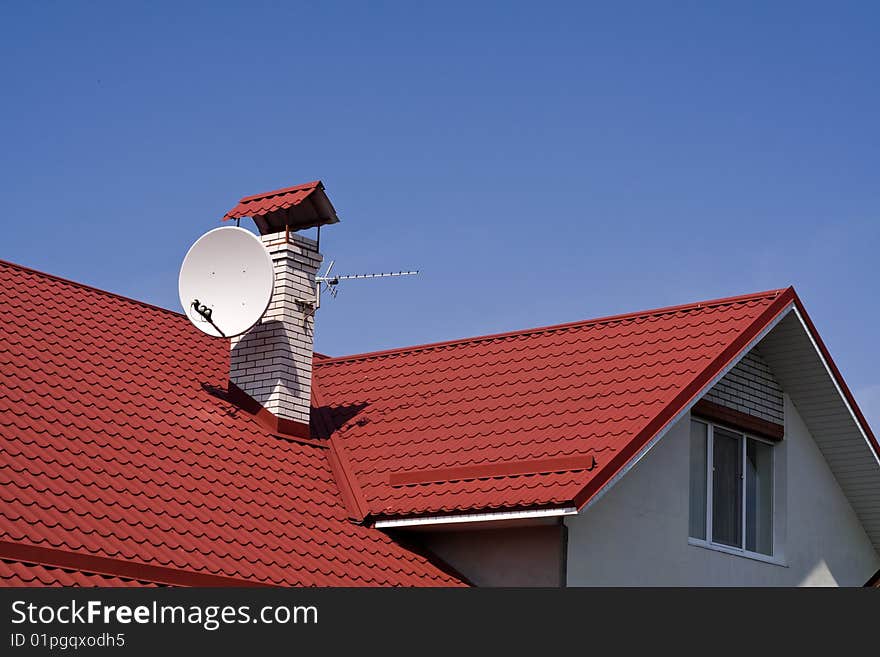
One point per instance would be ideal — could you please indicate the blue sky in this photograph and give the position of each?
(540, 163)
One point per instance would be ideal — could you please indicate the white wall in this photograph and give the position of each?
(637, 534)
(518, 556)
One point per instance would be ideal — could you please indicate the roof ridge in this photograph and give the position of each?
(91, 288)
(330, 360)
(283, 190)
(553, 327)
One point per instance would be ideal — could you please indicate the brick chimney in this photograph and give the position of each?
(272, 362)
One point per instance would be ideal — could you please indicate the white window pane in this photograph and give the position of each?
(759, 497)
(698, 491)
(727, 488)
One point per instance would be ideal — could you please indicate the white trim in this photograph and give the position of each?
(687, 409)
(710, 478)
(837, 386)
(476, 517)
(743, 522)
(756, 556)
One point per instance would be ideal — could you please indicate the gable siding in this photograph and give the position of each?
(750, 388)
(637, 534)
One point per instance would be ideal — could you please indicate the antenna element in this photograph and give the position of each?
(330, 282)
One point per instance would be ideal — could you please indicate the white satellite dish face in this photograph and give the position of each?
(226, 282)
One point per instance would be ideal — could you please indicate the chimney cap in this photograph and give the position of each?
(298, 207)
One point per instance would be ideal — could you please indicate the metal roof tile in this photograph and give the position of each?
(591, 387)
(119, 444)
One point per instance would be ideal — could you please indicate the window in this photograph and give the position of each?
(731, 489)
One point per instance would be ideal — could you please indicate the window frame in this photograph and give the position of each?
(709, 494)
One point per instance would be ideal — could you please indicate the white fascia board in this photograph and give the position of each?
(475, 517)
(687, 409)
(837, 386)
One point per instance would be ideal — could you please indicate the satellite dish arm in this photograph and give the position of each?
(206, 313)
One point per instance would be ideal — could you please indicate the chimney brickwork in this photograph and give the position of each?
(273, 361)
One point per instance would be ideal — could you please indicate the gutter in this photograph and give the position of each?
(475, 517)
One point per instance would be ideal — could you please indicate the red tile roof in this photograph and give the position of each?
(118, 444)
(279, 199)
(538, 418)
(121, 445)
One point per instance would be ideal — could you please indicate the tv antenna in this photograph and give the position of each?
(329, 282)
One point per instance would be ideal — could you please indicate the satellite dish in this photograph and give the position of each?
(226, 282)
